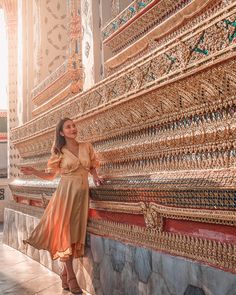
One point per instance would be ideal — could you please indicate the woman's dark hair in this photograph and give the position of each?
(59, 139)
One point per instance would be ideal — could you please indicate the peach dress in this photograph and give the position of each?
(62, 228)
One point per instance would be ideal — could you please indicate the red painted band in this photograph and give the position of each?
(217, 232)
(134, 219)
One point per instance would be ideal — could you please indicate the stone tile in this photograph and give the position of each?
(117, 252)
(158, 286)
(107, 276)
(142, 264)
(129, 253)
(157, 261)
(97, 248)
(142, 288)
(192, 290)
(38, 283)
(55, 289)
(217, 281)
(129, 280)
(107, 246)
(175, 273)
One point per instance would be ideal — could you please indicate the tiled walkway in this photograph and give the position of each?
(20, 275)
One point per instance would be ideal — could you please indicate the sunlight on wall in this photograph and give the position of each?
(20, 66)
(3, 63)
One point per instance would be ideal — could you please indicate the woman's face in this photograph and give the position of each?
(69, 130)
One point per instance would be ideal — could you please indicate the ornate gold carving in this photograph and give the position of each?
(163, 34)
(151, 216)
(155, 13)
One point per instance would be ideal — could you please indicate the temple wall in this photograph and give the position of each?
(163, 125)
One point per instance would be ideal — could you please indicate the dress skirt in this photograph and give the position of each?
(62, 228)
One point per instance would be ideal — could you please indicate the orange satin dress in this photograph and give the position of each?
(62, 228)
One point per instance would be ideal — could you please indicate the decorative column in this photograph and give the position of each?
(10, 7)
(75, 56)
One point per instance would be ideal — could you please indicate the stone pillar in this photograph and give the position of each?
(10, 7)
(28, 71)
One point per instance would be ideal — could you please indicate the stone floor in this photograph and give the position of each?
(20, 275)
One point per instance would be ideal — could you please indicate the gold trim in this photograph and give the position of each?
(153, 212)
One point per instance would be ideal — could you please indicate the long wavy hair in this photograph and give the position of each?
(59, 139)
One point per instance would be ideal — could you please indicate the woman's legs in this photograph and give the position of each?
(63, 276)
(69, 267)
(71, 278)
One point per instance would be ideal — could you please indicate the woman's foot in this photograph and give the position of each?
(63, 276)
(73, 286)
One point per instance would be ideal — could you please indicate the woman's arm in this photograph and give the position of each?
(41, 174)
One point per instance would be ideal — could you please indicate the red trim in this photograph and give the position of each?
(217, 232)
(3, 114)
(3, 137)
(134, 219)
(149, 6)
(28, 201)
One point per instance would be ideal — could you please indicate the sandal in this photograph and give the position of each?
(74, 287)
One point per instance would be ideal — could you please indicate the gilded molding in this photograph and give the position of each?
(59, 97)
(126, 16)
(58, 73)
(156, 12)
(154, 213)
(197, 12)
(53, 88)
(131, 208)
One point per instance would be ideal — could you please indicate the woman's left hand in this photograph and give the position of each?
(98, 181)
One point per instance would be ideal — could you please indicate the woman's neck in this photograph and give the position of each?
(71, 142)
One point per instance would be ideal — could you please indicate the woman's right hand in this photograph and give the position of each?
(27, 170)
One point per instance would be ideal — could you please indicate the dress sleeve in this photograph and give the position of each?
(53, 164)
(94, 163)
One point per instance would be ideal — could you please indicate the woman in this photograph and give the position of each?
(62, 228)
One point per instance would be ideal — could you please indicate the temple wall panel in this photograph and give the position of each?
(53, 36)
